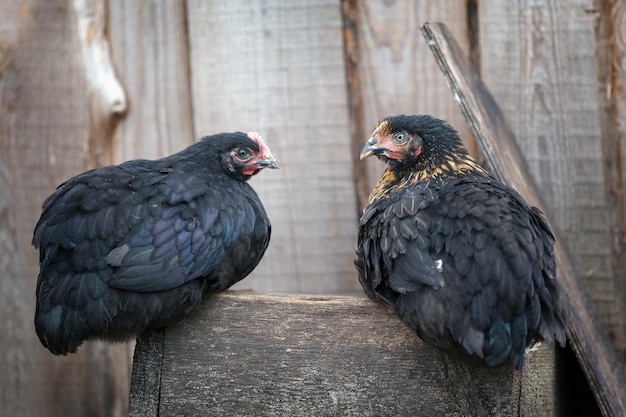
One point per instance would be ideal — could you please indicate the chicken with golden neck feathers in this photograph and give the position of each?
(466, 261)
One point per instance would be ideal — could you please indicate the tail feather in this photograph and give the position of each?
(64, 323)
(59, 332)
(498, 343)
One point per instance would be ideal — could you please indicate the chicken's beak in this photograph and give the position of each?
(268, 162)
(370, 148)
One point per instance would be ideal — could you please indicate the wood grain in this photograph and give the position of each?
(47, 113)
(611, 44)
(105, 97)
(352, 56)
(277, 67)
(145, 393)
(149, 43)
(617, 89)
(277, 355)
(585, 334)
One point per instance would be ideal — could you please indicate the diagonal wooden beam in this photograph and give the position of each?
(586, 335)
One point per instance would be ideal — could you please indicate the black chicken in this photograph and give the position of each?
(462, 257)
(132, 246)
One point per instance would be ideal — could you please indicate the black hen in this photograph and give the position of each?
(132, 246)
(464, 258)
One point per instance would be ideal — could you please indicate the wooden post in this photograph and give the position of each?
(262, 355)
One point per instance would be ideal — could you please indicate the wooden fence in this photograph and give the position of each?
(89, 82)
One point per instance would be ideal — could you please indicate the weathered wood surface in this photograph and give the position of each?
(499, 146)
(609, 29)
(146, 376)
(149, 44)
(539, 61)
(615, 90)
(58, 102)
(277, 67)
(264, 355)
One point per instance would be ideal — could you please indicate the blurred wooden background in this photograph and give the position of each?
(85, 83)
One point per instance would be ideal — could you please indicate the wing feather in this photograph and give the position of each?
(472, 247)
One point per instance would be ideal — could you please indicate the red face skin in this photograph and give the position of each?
(395, 150)
(252, 161)
(392, 145)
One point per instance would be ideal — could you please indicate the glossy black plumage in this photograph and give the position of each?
(468, 264)
(132, 246)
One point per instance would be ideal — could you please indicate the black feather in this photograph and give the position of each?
(466, 261)
(133, 246)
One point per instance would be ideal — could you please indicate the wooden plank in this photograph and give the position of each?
(50, 106)
(539, 62)
(611, 54)
(356, 105)
(149, 43)
(145, 389)
(277, 67)
(395, 70)
(105, 97)
(585, 334)
(276, 355)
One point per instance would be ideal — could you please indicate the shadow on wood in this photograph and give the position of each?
(261, 355)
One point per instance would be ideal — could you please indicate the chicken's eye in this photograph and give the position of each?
(400, 138)
(243, 153)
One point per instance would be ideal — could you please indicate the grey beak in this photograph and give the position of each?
(370, 148)
(269, 162)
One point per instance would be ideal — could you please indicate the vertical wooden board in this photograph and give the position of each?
(44, 132)
(149, 43)
(16, 278)
(277, 67)
(615, 89)
(398, 73)
(538, 61)
(618, 89)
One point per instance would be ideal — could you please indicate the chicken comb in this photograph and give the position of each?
(255, 136)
